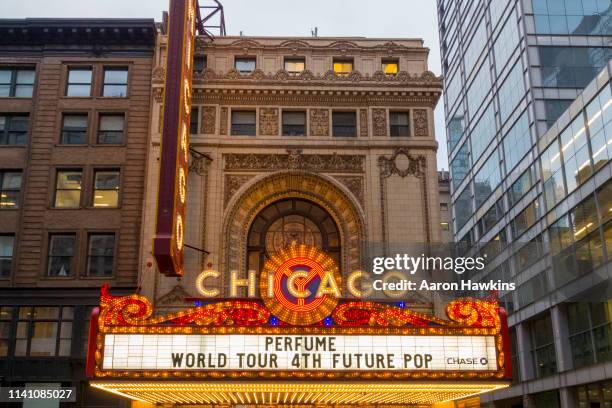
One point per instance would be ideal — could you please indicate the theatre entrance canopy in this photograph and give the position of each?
(243, 352)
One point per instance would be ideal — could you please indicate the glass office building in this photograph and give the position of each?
(529, 128)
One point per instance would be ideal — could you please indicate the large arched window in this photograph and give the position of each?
(288, 221)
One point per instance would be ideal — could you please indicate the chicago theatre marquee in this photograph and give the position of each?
(299, 152)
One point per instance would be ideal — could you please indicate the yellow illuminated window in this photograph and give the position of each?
(343, 67)
(106, 189)
(390, 67)
(68, 188)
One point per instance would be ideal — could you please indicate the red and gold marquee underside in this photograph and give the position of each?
(133, 315)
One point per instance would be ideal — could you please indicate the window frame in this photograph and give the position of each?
(104, 84)
(73, 258)
(10, 258)
(55, 188)
(343, 60)
(289, 133)
(17, 205)
(394, 128)
(194, 120)
(5, 134)
(90, 83)
(336, 112)
(235, 131)
(30, 321)
(97, 171)
(62, 142)
(294, 59)
(13, 81)
(387, 61)
(123, 131)
(244, 59)
(88, 254)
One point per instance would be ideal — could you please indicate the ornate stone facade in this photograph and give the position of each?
(374, 187)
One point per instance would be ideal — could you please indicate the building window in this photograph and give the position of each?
(445, 226)
(100, 254)
(10, 189)
(514, 356)
(245, 65)
(6, 317)
(543, 352)
(243, 123)
(599, 120)
(106, 189)
(390, 67)
(399, 122)
(200, 63)
(525, 219)
(193, 120)
(61, 255)
(13, 129)
(79, 82)
(294, 123)
(344, 124)
(291, 221)
(44, 331)
(17, 83)
(7, 243)
(295, 66)
(74, 129)
(343, 67)
(111, 129)
(115, 82)
(68, 189)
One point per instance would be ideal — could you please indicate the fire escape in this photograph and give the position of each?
(210, 19)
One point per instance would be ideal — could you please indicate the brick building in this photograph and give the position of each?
(74, 125)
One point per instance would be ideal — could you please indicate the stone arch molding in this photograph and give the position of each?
(266, 189)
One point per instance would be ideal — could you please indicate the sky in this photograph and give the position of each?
(367, 18)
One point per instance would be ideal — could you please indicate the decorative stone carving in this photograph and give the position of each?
(319, 122)
(355, 186)
(232, 184)
(363, 122)
(158, 74)
(209, 119)
(268, 121)
(243, 208)
(176, 296)
(421, 127)
(223, 120)
(402, 78)
(338, 163)
(379, 121)
(198, 163)
(158, 94)
(402, 163)
(160, 121)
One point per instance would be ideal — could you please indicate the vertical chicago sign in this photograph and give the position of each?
(168, 243)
